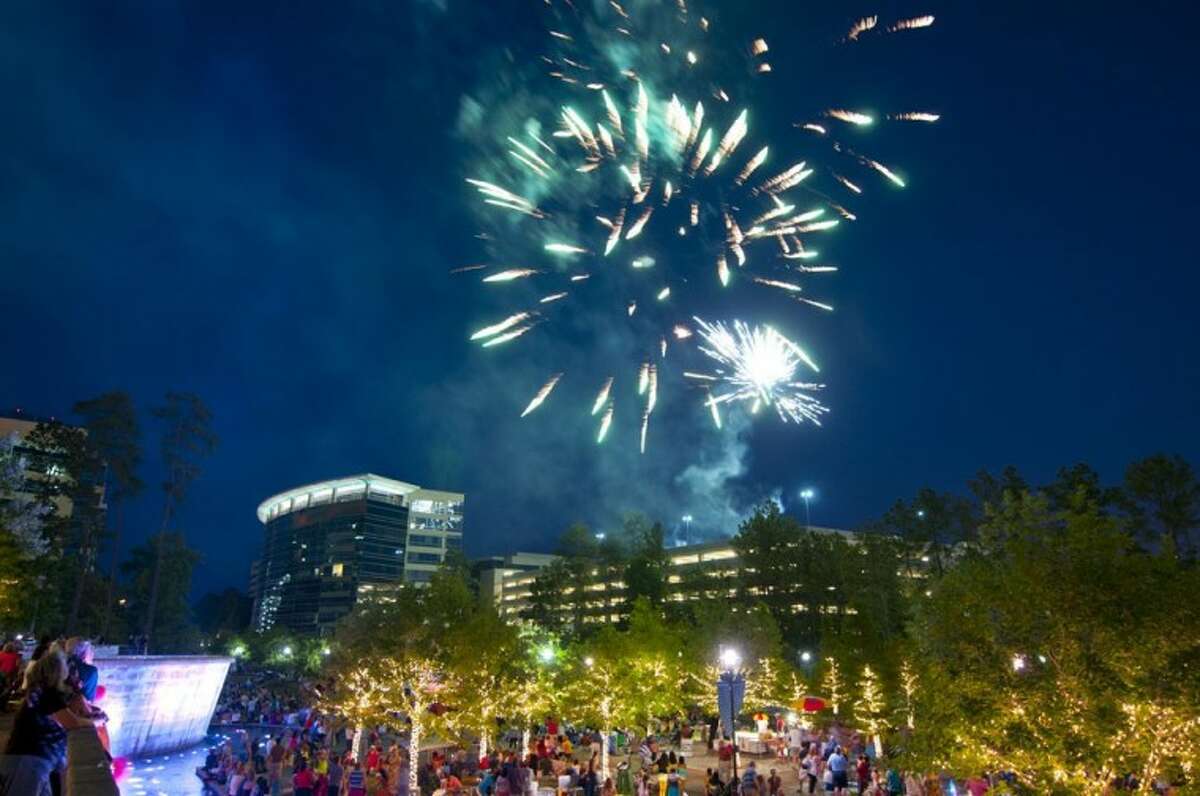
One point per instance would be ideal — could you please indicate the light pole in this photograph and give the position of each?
(731, 690)
(807, 494)
(687, 529)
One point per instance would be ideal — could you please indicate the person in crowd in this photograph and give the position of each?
(608, 788)
(275, 763)
(10, 670)
(913, 786)
(42, 647)
(80, 655)
(355, 782)
(36, 751)
(237, 775)
(774, 784)
(895, 784)
(303, 780)
(810, 768)
(978, 786)
(334, 777)
(725, 758)
(589, 781)
(749, 777)
(839, 765)
(712, 782)
(862, 773)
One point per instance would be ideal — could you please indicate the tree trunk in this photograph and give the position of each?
(604, 752)
(526, 737)
(152, 603)
(85, 555)
(358, 744)
(112, 571)
(483, 743)
(414, 753)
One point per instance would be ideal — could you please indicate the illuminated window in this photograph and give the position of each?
(338, 570)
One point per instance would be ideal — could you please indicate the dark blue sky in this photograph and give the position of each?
(259, 203)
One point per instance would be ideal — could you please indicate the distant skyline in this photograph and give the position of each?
(259, 204)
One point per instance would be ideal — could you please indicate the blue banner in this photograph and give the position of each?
(731, 692)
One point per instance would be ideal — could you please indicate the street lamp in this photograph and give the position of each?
(807, 494)
(600, 536)
(687, 528)
(546, 654)
(1018, 663)
(731, 690)
(805, 657)
(589, 661)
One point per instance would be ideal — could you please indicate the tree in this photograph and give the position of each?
(833, 684)
(170, 555)
(70, 485)
(1054, 647)
(396, 661)
(990, 490)
(223, 614)
(654, 663)
(186, 439)
(599, 691)
(646, 567)
(1166, 498)
(545, 597)
(114, 433)
(485, 658)
(1080, 482)
(773, 562)
(871, 710)
(22, 541)
(908, 686)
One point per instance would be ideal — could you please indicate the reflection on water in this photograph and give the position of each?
(171, 774)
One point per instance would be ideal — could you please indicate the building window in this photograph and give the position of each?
(338, 570)
(424, 558)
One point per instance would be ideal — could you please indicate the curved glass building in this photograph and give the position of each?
(328, 545)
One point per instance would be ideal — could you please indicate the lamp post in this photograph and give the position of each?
(807, 494)
(731, 690)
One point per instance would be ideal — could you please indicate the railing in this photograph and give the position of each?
(88, 770)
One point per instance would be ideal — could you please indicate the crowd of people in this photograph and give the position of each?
(262, 697)
(56, 690)
(279, 743)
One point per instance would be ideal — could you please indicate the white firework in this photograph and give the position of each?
(758, 366)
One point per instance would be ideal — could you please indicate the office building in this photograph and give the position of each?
(491, 572)
(694, 572)
(43, 472)
(330, 544)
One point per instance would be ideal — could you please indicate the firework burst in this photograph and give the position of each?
(758, 367)
(648, 193)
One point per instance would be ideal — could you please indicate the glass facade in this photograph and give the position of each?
(315, 559)
(330, 544)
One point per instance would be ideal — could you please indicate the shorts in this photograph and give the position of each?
(840, 780)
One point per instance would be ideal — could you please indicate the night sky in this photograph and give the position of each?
(259, 203)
